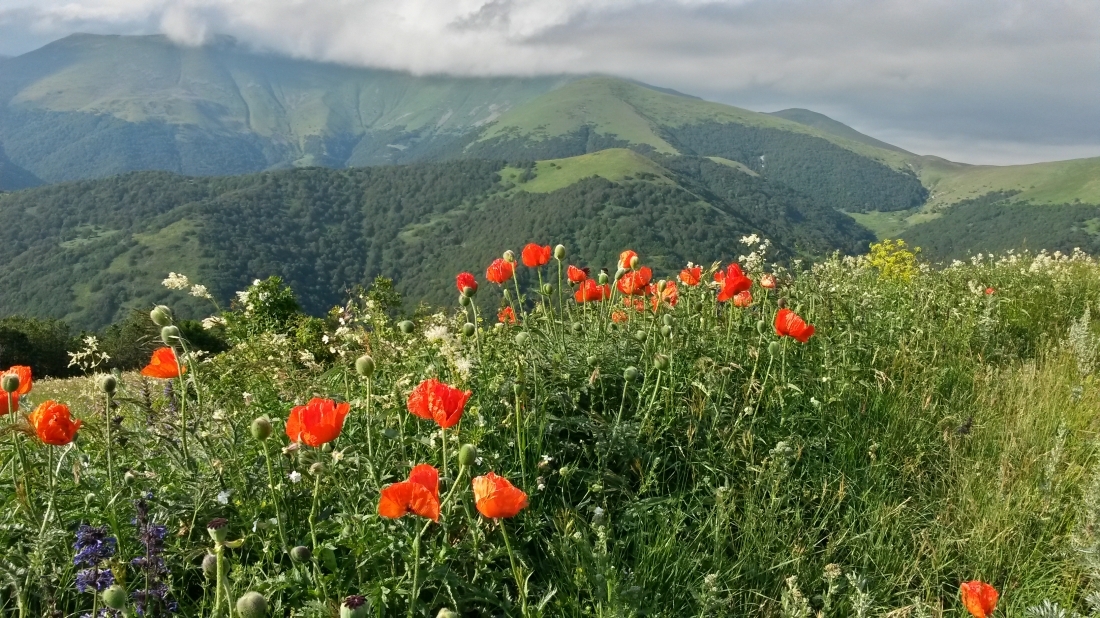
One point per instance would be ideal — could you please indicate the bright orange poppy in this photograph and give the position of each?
(635, 281)
(733, 282)
(439, 402)
(25, 382)
(790, 324)
(163, 365)
(576, 275)
(317, 422)
(670, 295)
(627, 259)
(742, 299)
(691, 275)
(500, 271)
(464, 281)
(419, 495)
(53, 424)
(591, 291)
(767, 281)
(506, 315)
(534, 255)
(979, 598)
(619, 317)
(496, 498)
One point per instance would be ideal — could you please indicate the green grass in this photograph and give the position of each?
(614, 164)
(892, 224)
(1056, 182)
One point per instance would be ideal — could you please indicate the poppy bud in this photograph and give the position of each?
(507, 294)
(547, 289)
(405, 326)
(210, 566)
(662, 362)
(9, 383)
(762, 327)
(261, 428)
(773, 348)
(301, 553)
(463, 300)
(447, 612)
(521, 338)
(578, 327)
(364, 366)
(107, 383)
(170, 335)
(634, 262)
(639, 335)
(218, 529)
(328, 558)
(306, 456)
(666, 331)
(781, 303)
(592, 360)
(661, 285)
(252, 605)
(316, 468)
(89, 498)
(602, 278)
(667, 319)
(509, 257)
(469, 329)
(129, 477)
(115, 597)
(161, 315)
(630, 374)
(355, 606)
(619, 274)
(466, 455)
(559, 252)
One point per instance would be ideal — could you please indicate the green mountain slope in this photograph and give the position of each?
(823, 123)
(13, 177)
(88, 250)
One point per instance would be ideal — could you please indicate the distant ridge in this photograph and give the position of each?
(13, 177)
(833, 127)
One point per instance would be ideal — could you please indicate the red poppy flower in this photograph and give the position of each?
(619, 317)
(627, 259)
(506, 315)
(591, 291)
(534, 256)
(733, 282)
(742, 299)
(464, 281)
(163, 365)
(496, 498)
(670, 295)
(25, 382)
(979, 598)
(500, 271)
(635, 281)
(691, 275)
(317, 422)
(767, 281)
(439, 402)
(53, 424)
(419, 495)
(989, 291)
(4, 403)
(789, 324)
(576, 275)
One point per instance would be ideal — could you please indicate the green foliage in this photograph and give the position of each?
(267, 306)
(40, 344)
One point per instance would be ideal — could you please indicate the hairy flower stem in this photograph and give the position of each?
(313, 534)
(414, 592)
(443, 439)
(522, 313)
(274, 497)
(183, 409)
(521, 589)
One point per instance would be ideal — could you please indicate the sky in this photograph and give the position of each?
(980, 81)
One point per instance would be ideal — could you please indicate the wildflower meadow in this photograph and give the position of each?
(860, 436)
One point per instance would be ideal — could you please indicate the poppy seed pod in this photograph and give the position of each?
(161, 315)
(115, 597)
(509, 256)
(592, 360)
(355, 606)
(547, 289)
(170, 335)
(447, 612)
(218, 529)
(578, 327)
(364, 366)
(210, 566)
(630, 374)
(666, 331)
(521, 338)
(261, 428)
(762, 327)
(301, 553)
(405, 326)
(252, 605)
(469, 329)
(469, 290)
(466, 455)
(463, 300)
(639, 335)
(9, 383)
(662, 362)
(773, 348)
(667, 320)
(559, 252)
(107, 383)
(602, 279)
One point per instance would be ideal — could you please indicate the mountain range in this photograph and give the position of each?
(106, 116)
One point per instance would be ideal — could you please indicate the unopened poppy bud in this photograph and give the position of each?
(559, 252)
(218, 529)
(170, 335)
(466, 455)
(667, 320)
(108, 384)
(252, 605)
(509, 256)
(9, 383)
(355, 606)
(578, 327)
(364, 366)
(316, 468)
(630, 374)
(115, 597)
(661, 285)
(547, 289)
(463, 300)
(592, 360)
(446, 612)
(507, 294)
(161, 315)
(521, 338)
(602, 278)
(129, 477)
(619, 273)
(469, 329)
(405, 326)
(89, 498)
(666, 331)
(210, 566)
(762, 327)
(773, 348)
(662, 362)
(301, 553)
(639, 335)
(261, 428)
(634, 262)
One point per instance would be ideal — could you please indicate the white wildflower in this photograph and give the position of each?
(223, 496)
(295, 476)
(176, 281)
(213, 322)
(200, 291)
(750, 240)
(437, 333)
